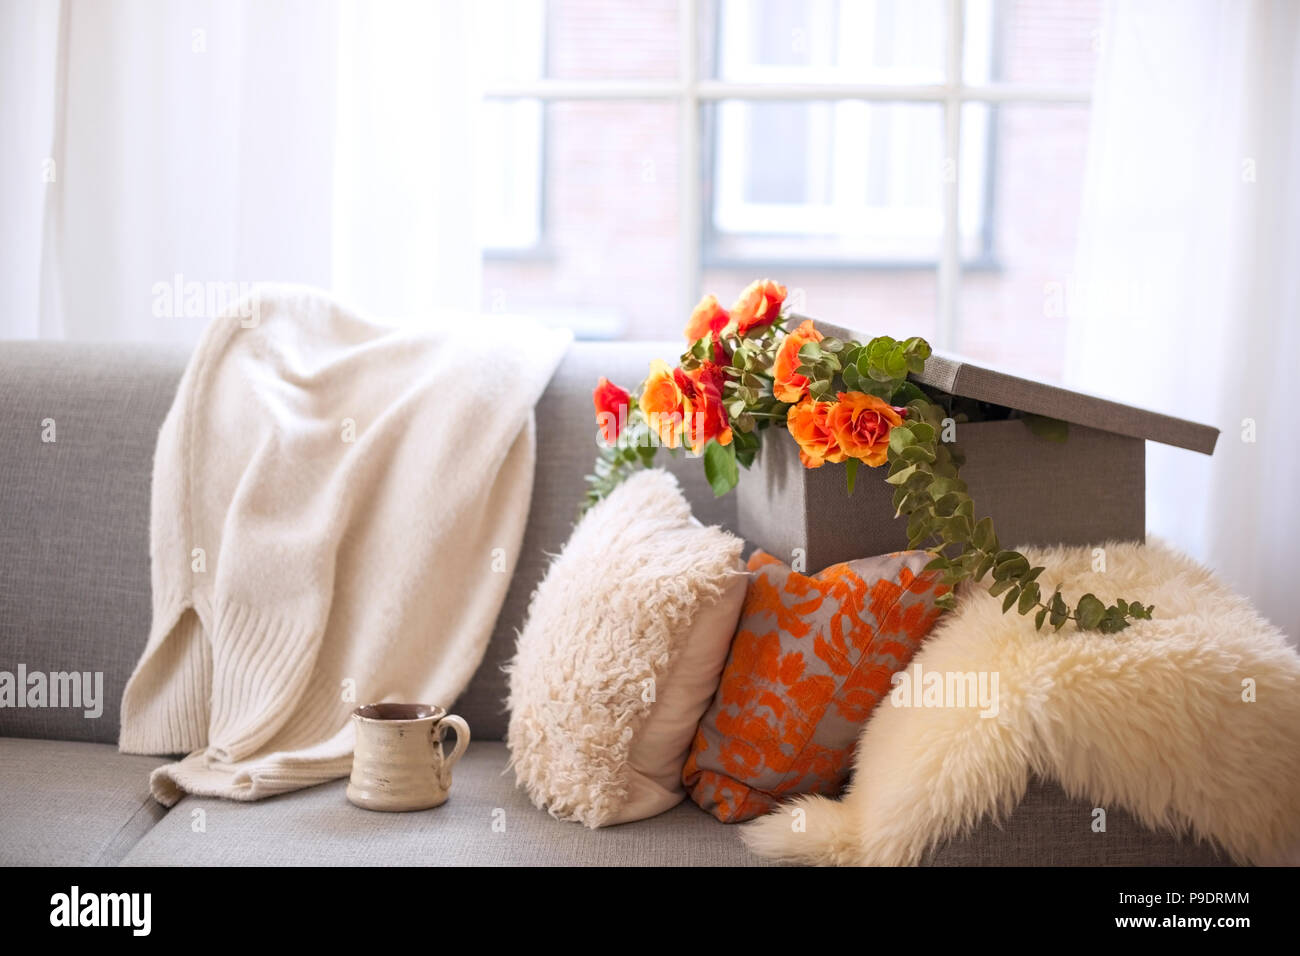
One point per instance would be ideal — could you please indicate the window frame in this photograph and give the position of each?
(690, 93)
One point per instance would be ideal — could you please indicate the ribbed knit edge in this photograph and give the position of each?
(267, 662)
(261, 666)
(165, 703)
(197, 775)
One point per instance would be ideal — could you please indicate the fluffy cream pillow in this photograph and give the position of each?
(625, 641)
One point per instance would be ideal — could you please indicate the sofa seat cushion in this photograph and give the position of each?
(66, 803)
(1050, 828)
(318, 827)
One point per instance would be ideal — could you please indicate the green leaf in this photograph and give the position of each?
(831, 344)
(821, 391)
(879, 348)
(1039, 617)
(984, 567)
(947, 601)
(851, 473)
(918, 453)
(1028, 597)
(900, 438)
(997, 587)
(1060, 613)
(810, 353)
(896, 364)
(917, 346)
(946, 506)
(921, 431)
(984, 537)
(880, 374)
(906, 392)
(1012, 596)
(1053, 429)
(1089, 612)
(1012, 566)
(720, 467)
(852, 379)
(901, 477)
(957, 529)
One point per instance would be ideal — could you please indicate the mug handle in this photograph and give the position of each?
(462, 741)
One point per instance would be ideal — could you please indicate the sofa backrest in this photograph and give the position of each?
(74, 514)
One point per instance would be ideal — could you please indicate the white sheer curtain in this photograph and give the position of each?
(230, 142)
(1189, 260)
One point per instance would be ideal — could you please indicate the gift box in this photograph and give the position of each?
(1088, 488)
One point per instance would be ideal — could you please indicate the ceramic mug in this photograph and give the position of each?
(398, 763)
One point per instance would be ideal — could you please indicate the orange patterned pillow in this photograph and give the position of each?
(811, 658)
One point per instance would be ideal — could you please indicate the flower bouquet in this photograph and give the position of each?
(846, 403)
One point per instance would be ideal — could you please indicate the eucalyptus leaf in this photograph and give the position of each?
(720, 467)
(1089, 612)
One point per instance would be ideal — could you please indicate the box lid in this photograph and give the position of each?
(959, 376)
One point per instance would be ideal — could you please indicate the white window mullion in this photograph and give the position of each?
(950, 254)
(690, 164)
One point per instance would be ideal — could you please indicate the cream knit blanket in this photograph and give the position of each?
(337, 511)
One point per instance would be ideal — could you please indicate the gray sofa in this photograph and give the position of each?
(74, 596)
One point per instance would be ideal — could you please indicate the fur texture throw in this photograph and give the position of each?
(1190, 722)
(593, 674)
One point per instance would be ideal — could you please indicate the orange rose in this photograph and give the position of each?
(758, 305)
(706, 417)
(662, 403)
(862, 424)
(787, 385)
(809, 424)
(709, 319)
(611, 409)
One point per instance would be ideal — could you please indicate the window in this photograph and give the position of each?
(828, 182)
(909, 166)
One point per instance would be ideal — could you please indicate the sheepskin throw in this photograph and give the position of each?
(620, 656)
(330, 497)
(1190, 722)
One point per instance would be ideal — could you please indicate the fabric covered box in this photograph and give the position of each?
(1087, 489)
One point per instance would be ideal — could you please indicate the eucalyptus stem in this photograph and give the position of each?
(924, 469)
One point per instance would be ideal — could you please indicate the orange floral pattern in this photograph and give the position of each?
(812, 657)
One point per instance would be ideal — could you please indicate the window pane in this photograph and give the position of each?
(820, 41)
(607, 263)
(895, 302)
(613, 40)
(1015, 303)
(825, 182)
(510, 175)
(1032, 42)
